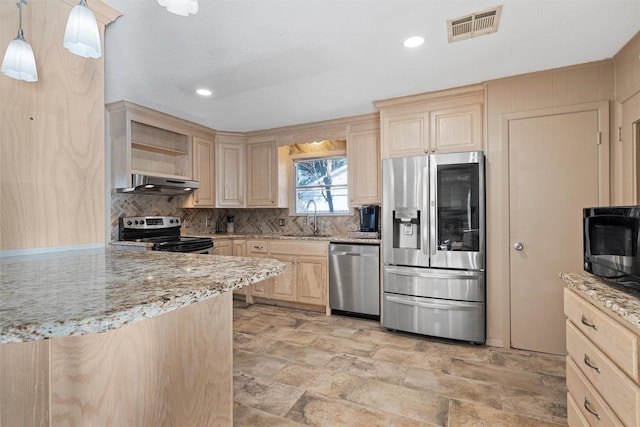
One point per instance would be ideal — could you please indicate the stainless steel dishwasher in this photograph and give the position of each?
(354, 278)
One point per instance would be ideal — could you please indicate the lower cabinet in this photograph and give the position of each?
(602, 366)
(239, 249)
(312, 280)
(305, 277)
(223, 247)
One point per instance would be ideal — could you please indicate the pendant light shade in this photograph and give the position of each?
(180, 7)
(81, 35)
(19, 62)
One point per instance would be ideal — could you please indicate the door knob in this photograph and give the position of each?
(517, 246)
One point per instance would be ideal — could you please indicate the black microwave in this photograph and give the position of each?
(612, 243)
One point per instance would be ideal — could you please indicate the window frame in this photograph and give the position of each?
(315, 156)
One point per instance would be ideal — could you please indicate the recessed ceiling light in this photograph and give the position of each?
(413, 41)
(204, 92)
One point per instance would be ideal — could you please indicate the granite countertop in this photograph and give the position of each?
(82, 292)
(621, 300)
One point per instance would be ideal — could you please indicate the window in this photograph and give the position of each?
(325, 182)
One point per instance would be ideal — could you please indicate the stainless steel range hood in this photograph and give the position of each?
(154, 185)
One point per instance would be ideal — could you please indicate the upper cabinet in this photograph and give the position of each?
(267, 172)
(230, 169)
(145, 141)
(203, 163)
(439, 122)
(262, 174)
(363, 155)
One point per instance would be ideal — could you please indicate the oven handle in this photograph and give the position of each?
(458, 305)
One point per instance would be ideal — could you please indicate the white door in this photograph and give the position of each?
(553, 174)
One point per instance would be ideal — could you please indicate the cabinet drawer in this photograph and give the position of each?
(574, 416)
(588, 402)
(619, 392)
(298, 247)
(257, 246)
(620, 344)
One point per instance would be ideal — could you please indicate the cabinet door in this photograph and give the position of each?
(223, 247)
(261, 289)
(203, 172)
(457, 129)
(363, 154)
(230, 162)
(404, 134)
(284, 285)
(259, 249)
(312, 280)
(239, 248)
(262, 174)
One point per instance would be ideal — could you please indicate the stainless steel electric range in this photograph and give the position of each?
(164, 233)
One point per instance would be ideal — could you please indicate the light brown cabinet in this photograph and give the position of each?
(363, 155)
(304, 280)
(262, 174)
(230, 151)
(145, 141)
(312, 280)
(456, 129)
(439, 122)
(203, 162)
(223, 247)
(259, 249)
(602, 366)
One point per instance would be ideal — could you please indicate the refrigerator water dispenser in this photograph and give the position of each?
(406, 228)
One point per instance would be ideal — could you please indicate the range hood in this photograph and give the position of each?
(154, 185)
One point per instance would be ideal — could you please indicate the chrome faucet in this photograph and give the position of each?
(315, 216)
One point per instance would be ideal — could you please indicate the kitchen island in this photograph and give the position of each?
(119, 337)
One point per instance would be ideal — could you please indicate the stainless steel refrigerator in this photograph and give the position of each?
(433, 245)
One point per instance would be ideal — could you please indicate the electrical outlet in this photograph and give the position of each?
(281, 222)
(207, 222)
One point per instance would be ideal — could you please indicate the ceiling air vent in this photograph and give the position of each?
(476, 24)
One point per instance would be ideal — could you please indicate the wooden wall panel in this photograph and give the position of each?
(171, 370)
(627, 63)
(555, 88)
(24, 384)
(52, 149)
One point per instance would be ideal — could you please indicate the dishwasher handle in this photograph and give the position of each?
(344, 253)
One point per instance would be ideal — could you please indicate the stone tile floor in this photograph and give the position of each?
(296, 367)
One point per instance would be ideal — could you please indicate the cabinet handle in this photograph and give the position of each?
(587, 406)
(258, 247)
(586, 322)
(590, 364)
(433, 150)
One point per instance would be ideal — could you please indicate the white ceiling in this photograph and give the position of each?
(272, 63)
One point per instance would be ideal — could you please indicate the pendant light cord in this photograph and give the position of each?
(20, 4)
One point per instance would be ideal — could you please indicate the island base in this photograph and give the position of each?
(175, 369)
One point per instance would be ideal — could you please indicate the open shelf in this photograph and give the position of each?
(157, 149)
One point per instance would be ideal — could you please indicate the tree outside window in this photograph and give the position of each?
(325, 182)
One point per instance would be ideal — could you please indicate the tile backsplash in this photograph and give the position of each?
(252, 221)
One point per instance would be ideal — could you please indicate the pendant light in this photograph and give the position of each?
(180, 7)
(19, 62)
(82, 36)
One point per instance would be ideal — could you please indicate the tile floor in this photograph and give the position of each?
(296, 367)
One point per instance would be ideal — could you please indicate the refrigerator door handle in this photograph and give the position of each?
(458, 305)
(426, 214)
(433, 203)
